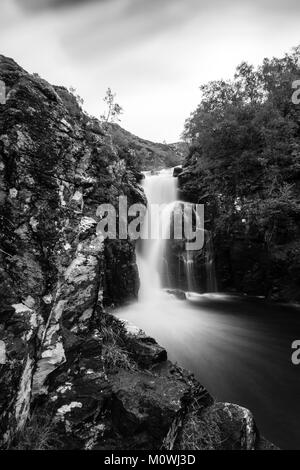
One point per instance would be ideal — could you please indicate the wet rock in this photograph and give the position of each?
(177, 170)
(122, 278)
(144, 349)
(179, 294)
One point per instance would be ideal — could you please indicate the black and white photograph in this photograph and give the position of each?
(149, 228)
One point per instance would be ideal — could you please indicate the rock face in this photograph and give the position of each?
(72, 376)
(57, 166)
(177, 170)
(245, 260)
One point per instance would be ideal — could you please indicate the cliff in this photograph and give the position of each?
(71, 375)
(250, 257)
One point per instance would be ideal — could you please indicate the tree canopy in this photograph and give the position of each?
(245, 145)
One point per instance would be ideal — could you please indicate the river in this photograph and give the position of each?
(239, 348)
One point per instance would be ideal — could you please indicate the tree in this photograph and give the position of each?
(113, 109)
(245, 141)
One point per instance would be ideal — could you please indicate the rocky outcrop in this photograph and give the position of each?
(248, 259)
(57, 166)
(71, 375)
(106, 397)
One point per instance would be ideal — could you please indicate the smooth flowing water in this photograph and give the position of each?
(239, 348)
(161, 194)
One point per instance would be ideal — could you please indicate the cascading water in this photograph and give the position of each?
(152, 259)
(190, 271)
(161, 192)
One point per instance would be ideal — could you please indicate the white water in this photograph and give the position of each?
(160, 189)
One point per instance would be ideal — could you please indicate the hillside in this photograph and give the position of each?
(147, 155)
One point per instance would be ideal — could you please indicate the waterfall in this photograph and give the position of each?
(161, 189)
(190, 271)
(161, 264)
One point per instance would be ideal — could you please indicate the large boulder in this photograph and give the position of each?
(221, 426)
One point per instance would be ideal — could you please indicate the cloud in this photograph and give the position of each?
(35, 5)
(153, 53)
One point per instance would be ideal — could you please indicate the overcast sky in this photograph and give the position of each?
(153, 53)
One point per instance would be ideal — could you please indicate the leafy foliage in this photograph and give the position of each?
(245, 142)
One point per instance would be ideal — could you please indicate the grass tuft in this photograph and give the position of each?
(115, 354)
(202, 432)
(38, 434)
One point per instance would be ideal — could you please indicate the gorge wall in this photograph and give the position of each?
(244, 165)
(71, 375)
(249, 258)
